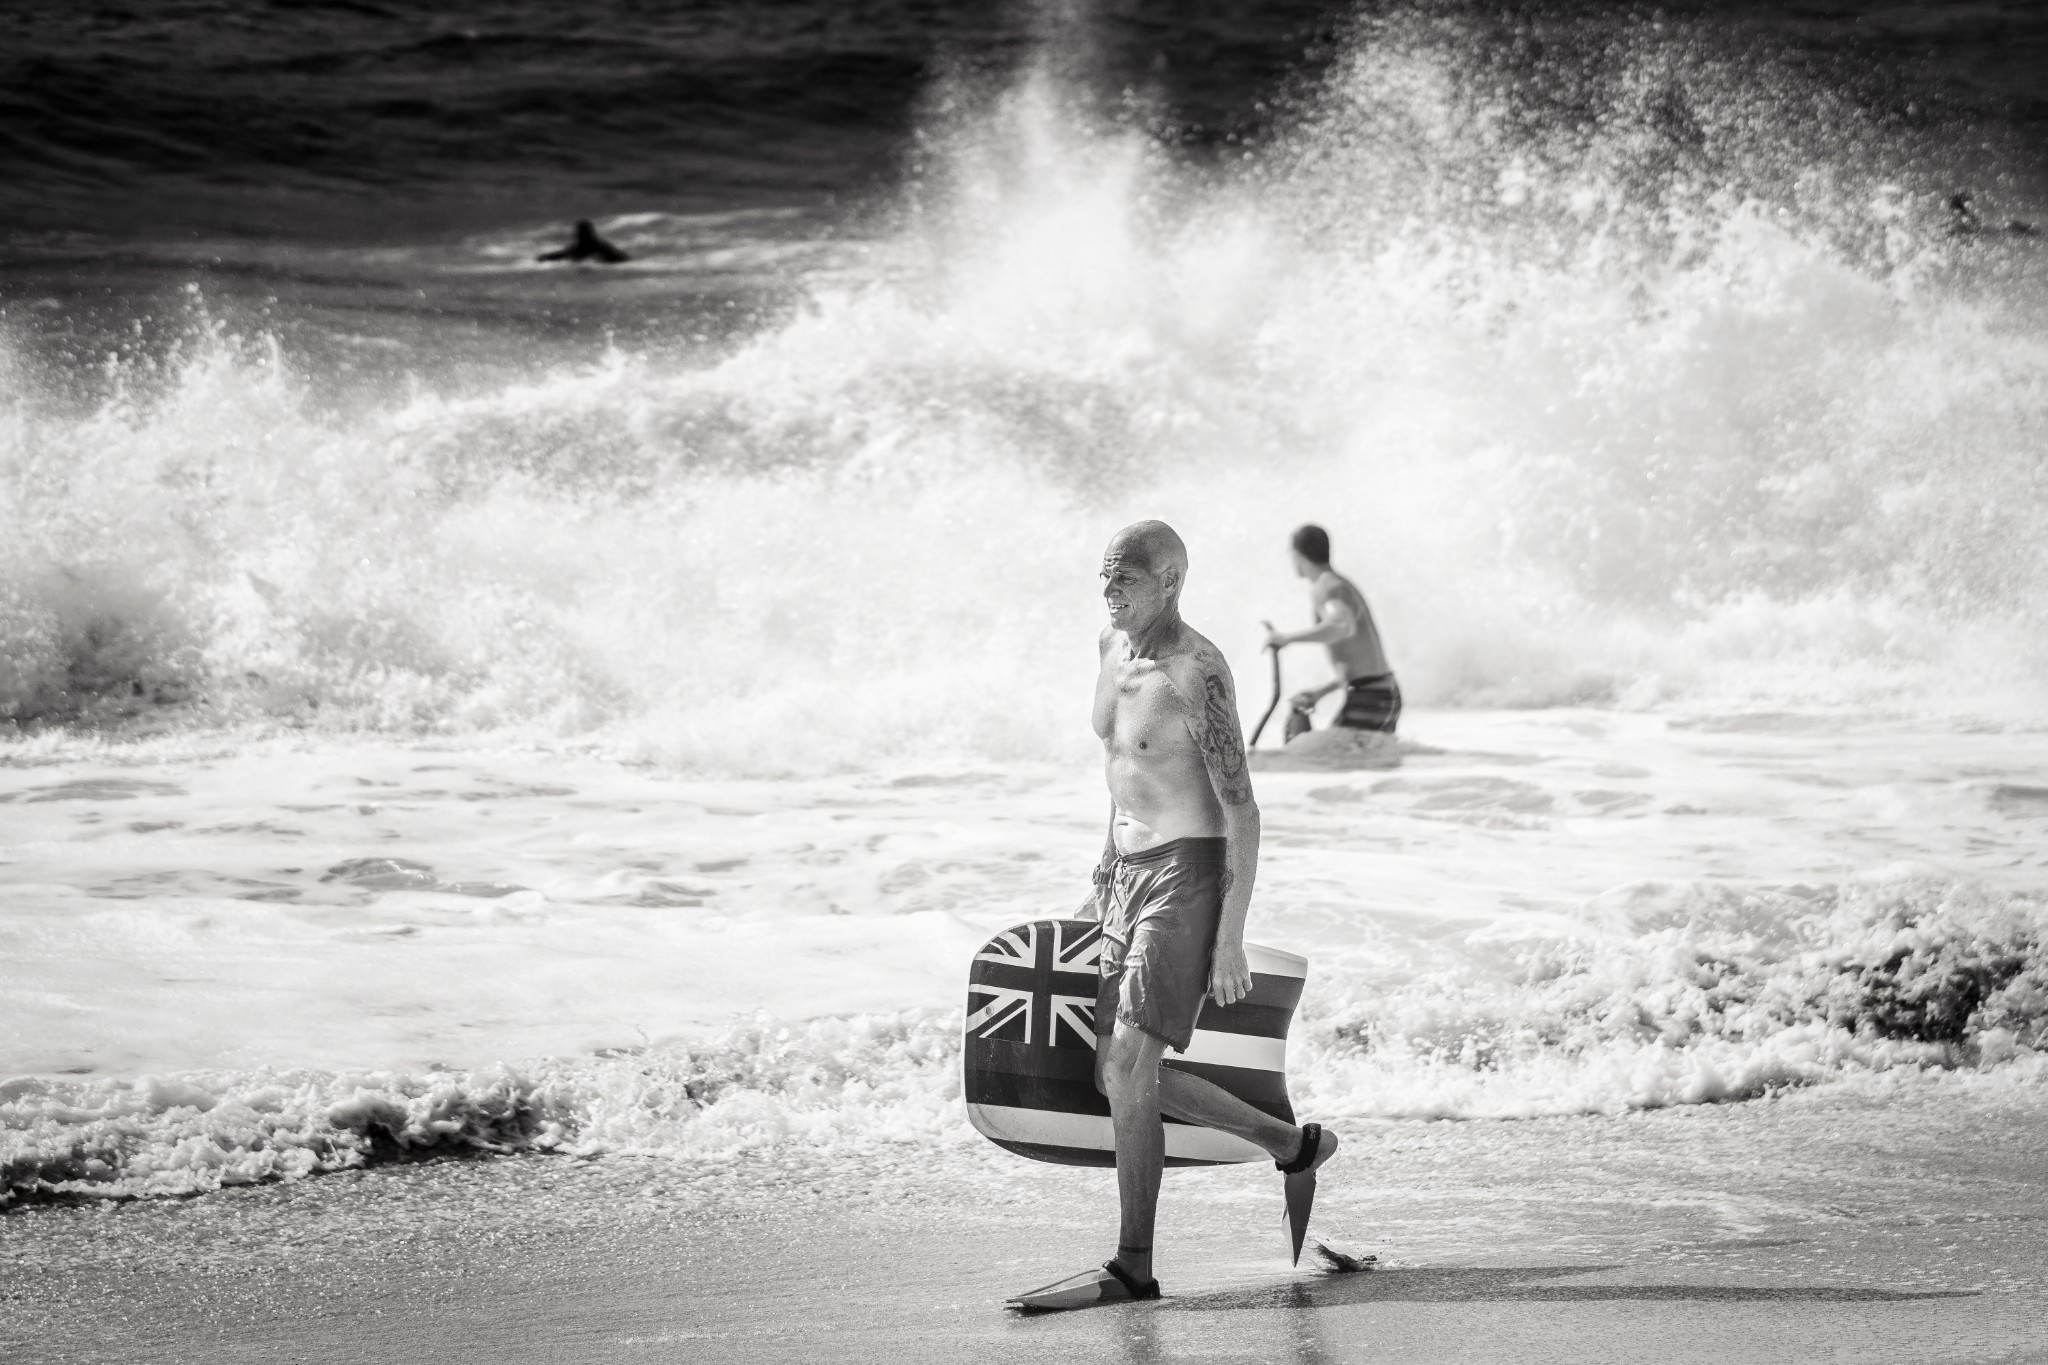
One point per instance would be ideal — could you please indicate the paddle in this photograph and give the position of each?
(1272, 705)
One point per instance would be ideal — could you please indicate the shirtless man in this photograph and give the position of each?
(1372, 699)
(1171, 890)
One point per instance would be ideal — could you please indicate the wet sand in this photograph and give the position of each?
(1778, 1230)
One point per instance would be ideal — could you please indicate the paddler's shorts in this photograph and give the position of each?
(1371, 704)
(1164, 907)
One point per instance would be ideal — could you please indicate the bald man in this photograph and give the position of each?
(1172, 891)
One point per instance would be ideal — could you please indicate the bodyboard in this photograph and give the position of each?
(1029, 1054)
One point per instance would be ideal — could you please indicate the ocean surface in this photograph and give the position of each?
(454, 702)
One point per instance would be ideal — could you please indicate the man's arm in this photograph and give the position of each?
(1309, 696)
(1336, 622)
(1212, 720)
(1097, 904)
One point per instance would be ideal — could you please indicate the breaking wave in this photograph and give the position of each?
(1646, 406)
(1691, 994)
(1660, 996)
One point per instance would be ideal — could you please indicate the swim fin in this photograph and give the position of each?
(1301, 1198)
(1301, 1182)
(1111, 1284)
(1338, 1261)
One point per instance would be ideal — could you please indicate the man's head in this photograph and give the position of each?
(1311, 550)
(1142, 573)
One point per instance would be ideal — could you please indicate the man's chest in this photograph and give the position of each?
(1138, 708)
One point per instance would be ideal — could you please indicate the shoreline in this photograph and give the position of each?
(1824, 1224)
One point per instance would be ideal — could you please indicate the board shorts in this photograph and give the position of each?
(1165, 904)
(1371, 704)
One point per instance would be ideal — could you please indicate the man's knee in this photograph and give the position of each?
(1126, 1058)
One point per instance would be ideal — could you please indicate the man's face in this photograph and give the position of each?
(1135, 595)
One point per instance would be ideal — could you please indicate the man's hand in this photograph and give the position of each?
(1230, 976)
(1275, 637)
(1305, 701)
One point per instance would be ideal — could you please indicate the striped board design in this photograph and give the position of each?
(1029, 1058)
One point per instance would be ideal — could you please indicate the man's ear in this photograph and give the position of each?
(1172, 576)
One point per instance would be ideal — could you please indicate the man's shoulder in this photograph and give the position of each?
(1333, 586)
(1194, 661)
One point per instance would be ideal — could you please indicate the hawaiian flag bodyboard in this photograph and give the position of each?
(1029, 1057)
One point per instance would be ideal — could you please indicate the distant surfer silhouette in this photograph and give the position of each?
(1172, 891)
(1964, 222)
(1344, 625)
(588, 246)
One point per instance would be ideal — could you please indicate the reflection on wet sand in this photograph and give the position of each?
(1517, 1284)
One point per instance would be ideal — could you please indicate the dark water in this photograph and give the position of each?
(349, 121)
(259, 150)
(356, 121)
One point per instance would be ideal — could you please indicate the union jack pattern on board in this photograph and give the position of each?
(1018, 1014)
(1029, 1054)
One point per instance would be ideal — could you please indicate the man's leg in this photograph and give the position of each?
(1127, 1067)
(1193, 1100)
(1127, 1071)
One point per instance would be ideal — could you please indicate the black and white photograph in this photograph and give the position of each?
(915, 681)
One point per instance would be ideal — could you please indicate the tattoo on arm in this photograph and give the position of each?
(1216, 734)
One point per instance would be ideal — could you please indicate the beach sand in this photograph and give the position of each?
(1777, 1230)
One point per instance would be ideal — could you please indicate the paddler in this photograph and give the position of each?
(1343, 625)
(1172, 891)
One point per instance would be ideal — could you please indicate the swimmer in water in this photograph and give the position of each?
(1964, 222)
(588, 246)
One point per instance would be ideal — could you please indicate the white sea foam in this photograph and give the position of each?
(830, 1084)
(1729, 997)
(317, 953)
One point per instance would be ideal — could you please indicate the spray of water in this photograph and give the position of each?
(1646, 387)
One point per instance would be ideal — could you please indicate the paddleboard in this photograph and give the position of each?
(1336, 751)
(1029, 1054)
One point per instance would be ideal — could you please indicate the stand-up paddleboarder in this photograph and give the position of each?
(1372, 698)
(1172, 890)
